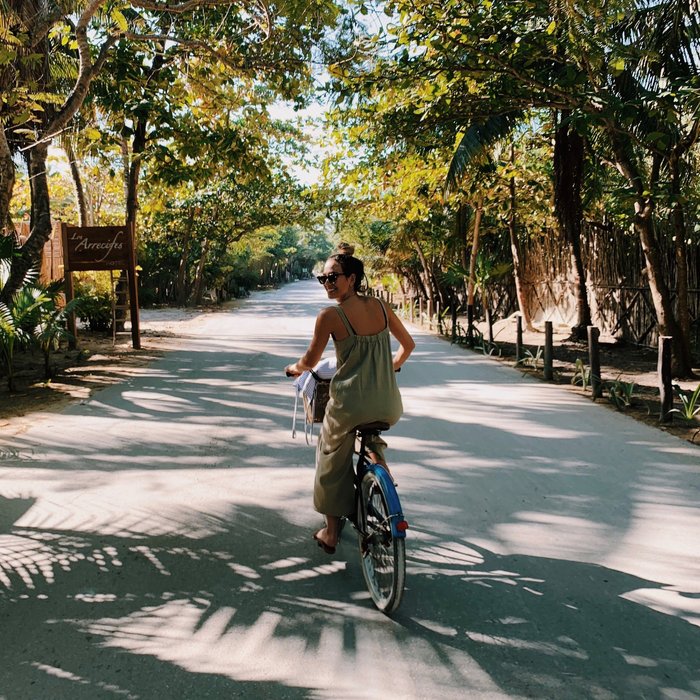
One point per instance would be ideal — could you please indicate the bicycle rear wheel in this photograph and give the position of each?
(383, 556)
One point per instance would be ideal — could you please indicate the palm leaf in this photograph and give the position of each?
(476, 141)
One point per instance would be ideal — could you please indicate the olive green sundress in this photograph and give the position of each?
(363, 390)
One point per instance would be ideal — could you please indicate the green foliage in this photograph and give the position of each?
(94, 307)
(52, 326)
(620, 393)
(582, 374)
(20, 316)
(690, 401)
(532, 359)
(487, 347)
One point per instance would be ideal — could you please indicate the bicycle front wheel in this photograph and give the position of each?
(383, 556)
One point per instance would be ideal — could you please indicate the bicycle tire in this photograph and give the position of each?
(383, 556)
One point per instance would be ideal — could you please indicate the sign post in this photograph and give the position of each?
(101, 248)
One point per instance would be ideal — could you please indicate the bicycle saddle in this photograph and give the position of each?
(377, 426)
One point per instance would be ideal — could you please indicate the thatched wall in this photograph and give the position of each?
(617, 287)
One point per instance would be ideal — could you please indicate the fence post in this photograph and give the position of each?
(664, 372)
(420, 310)
(412, 309)
(548, 351)
(519, 339)
(430, 314)
(594, 361)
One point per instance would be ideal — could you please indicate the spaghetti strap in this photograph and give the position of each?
(345, 320)
(386, 318)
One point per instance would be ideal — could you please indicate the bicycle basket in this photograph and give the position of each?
(315, 407)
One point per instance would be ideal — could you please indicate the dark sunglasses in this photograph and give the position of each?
(330, 277)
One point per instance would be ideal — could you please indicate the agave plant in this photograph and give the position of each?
(690, 401)
(52, 326)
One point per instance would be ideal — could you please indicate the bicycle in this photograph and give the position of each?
(381, 526)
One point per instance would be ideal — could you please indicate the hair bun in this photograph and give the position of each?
(346, 249)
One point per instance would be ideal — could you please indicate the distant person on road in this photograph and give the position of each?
(363, 389)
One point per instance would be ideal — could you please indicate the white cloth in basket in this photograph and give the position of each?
(305, 384)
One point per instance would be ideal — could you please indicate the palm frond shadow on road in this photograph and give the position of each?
(175, 616)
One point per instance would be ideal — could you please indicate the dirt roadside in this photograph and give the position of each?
(98, 362)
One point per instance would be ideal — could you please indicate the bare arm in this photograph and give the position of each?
(406, 342)
(322, 332)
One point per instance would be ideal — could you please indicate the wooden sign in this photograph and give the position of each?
(101, 248)
(97, 248)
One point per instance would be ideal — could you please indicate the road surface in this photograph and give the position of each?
(155, 542)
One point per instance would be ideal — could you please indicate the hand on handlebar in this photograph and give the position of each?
(291, 371)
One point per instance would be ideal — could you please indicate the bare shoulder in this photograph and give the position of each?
(328, 318)
(328, 313)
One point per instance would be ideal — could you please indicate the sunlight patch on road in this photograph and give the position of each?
(159, 402)
(555, 536)
(521, 409)
(273, 645)
(661, 541)
(546, 648)
(669, 602)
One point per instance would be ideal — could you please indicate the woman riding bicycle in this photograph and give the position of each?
(363, 389)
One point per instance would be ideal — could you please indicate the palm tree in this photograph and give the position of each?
(475, 146)
(17, 322)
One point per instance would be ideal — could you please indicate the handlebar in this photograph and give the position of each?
(289, 374)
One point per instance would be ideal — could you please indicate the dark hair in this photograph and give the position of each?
(345, 248)
(351, 266)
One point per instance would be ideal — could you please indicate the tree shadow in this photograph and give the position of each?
(550, 627)
(138, 561)
(256, 610)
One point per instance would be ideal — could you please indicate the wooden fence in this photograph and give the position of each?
(52, 255)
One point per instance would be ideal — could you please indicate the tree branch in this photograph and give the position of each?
(190, 5)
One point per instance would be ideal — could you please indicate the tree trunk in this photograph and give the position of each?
(30, 253)
(126, 167)
(568, 178)
(471, 282)
(418, 285)
(462, 220)
(516, 253)
(660, 295)
(427, 278)
(7, 182)
(644, 228)
(680, 236)
(138, 146)
(181, 283)
(198, 284)
(132, 199)
(77, 183)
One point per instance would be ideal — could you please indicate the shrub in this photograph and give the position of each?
(94, 308)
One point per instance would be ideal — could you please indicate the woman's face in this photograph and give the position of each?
(341, 287)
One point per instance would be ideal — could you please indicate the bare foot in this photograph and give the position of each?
(325, 542)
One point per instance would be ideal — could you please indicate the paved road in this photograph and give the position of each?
(156, 541)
